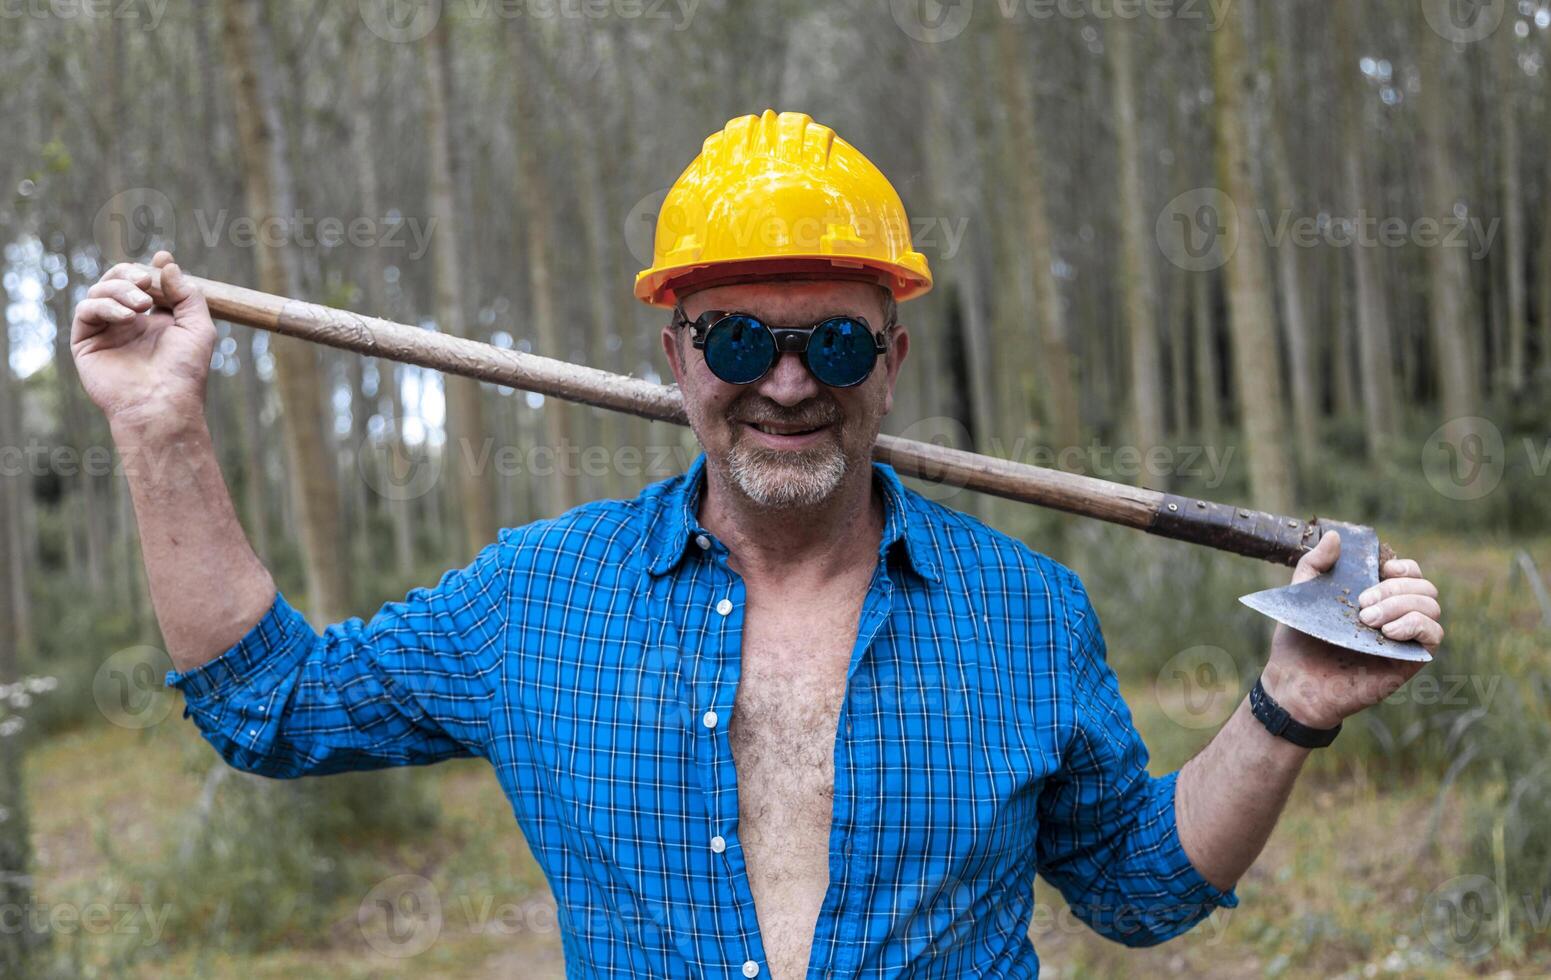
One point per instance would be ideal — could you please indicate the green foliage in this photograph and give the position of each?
(263, 862)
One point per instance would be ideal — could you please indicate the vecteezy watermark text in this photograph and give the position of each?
(1200, 230)
(92, 918)
(406, 21)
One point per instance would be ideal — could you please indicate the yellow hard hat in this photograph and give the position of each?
(780, 195)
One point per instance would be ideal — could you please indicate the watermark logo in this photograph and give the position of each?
(932, 21)
(1463, 459)
(1464, 21)
(134, 222)
(651, 693)
(401, 916)
(1464, 917)
(407, 467)
(641, 226)
(939, 482)
(129, 687)
(1199, 230)
(401, 21)
(1199, 687)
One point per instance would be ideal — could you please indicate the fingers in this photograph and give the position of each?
(176, 288)
(1320, 559)
(1400, 568)
(1415, 626)
(1396, 607)
(130, 272)
(95, 315)
(1397, 586)
(125, 291)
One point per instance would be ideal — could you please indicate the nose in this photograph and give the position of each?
(789, 382)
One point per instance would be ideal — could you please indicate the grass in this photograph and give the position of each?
(1348, 886)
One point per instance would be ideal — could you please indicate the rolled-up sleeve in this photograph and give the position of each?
(413, 686)
(1108, 837)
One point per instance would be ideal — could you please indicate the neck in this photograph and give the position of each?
(796, 545)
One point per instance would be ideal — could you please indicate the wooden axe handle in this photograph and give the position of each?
(1246, 532)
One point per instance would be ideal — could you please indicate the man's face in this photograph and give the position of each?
(786, 440)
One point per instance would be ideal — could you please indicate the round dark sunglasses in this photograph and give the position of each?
(740, 348)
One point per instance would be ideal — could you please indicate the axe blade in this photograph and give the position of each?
(1326, 607)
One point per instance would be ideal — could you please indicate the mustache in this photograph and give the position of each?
(809, 415)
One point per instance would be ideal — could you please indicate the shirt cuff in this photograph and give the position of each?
(1179, 876)
(276, 643)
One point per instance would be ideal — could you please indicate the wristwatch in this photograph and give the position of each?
(1278, 722)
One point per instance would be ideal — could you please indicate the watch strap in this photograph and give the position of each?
(1281, 724)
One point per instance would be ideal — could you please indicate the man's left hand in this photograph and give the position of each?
(1321, 685)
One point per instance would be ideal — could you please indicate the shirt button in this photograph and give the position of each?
(708, 719)
(724, 607)
(702, 542)
(718, 845)
(751, 969)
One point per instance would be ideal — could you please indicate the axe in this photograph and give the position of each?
(1324, 607)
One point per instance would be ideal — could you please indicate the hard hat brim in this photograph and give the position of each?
(665, 287)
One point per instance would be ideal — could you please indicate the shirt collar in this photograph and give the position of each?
(675, 522)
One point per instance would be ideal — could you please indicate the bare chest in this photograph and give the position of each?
(783, 740)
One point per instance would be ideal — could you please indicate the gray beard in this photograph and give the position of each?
(786, 479)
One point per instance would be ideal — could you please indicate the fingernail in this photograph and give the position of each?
(139, 297)
(1370, 614)
(1368, 597)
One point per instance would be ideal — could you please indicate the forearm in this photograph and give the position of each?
(207, 585)
(1230, 796)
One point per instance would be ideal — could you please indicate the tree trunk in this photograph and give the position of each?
(374, 276)
(1516, 311)
(255, 495)
(1543, 274)
(89, 490)
(1449, 311)
(1058, 392)
(15, 618)
(467, 441)
(1375, 348)
(535, 201)
(1289, 261)
(21, 941)
(1251, 315)
(1179, 354)
(267, 180)
(1136, 267)
(1208, 401)
(591, 146)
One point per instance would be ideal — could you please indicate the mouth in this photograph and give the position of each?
(783, 435)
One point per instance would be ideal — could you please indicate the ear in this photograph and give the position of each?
(899, 349)
(670, 347)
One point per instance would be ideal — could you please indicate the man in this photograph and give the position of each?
(779, 716)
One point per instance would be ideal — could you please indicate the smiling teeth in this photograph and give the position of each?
(776, 432)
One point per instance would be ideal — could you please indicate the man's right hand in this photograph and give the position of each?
(141, 363)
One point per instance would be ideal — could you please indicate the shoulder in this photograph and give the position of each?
(602, 535)
(1008, 577)
(969, 549)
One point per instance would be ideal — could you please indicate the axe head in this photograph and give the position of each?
(1326, 607)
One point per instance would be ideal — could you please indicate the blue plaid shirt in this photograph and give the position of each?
(593, 660)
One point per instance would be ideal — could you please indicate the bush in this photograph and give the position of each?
(261, 862)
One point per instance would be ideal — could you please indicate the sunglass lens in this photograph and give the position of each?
(841, 353)
(739, 350)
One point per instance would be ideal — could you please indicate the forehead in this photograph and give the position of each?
(795, 301)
